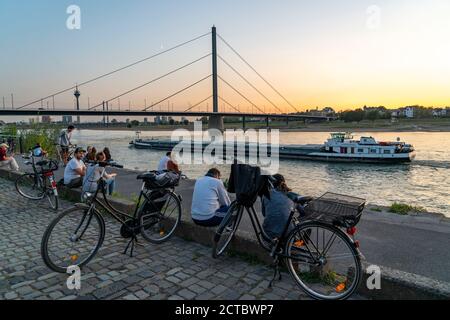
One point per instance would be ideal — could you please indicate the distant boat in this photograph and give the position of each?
(340, 147)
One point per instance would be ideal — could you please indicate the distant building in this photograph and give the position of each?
(46, 119)
(145, 121)
(409, 112)
(34, 120)
(441, 112)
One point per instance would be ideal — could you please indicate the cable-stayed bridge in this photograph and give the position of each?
(215, 116)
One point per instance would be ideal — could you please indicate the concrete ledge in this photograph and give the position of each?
(395, 284)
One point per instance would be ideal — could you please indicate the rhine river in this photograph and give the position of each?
(425, 182)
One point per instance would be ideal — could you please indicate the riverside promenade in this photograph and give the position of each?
(175, 270)
(410, 250)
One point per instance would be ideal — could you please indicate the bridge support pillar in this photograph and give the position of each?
(243, 124)
(267, 123)
(216, 122)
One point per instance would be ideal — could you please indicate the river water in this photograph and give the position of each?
(425, 182)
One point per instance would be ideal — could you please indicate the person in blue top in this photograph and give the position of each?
(278, 208)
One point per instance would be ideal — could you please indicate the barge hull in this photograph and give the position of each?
(306, 154)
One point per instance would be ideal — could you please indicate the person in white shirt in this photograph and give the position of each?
(75, 170)
(210, 202)
(163, 162)
(64, 142)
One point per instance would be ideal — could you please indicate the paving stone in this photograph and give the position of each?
(186, 294)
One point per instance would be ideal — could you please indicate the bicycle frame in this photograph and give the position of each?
(118, 215)
(264, 239)
(41, 175)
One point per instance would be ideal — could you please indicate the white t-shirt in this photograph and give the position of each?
(209, 195)
(70, 173)
(163, 163)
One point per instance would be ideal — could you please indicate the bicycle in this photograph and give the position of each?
(61, 152)
(323, 260)
(75, 236)
(40, 183)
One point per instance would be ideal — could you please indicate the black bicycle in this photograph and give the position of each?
(76, 235)
(323, 259)
(40, 183)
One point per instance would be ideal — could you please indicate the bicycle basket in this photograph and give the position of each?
(162, 180)
(339, 210)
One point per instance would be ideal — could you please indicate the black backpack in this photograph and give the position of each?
(247, 183)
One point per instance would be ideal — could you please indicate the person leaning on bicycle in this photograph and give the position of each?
(278, 207)
(64, 142)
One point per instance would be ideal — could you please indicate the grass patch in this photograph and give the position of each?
(404, 209)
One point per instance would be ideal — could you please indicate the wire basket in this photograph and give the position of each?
(337, 209)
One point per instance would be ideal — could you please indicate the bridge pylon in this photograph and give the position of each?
(216, 121)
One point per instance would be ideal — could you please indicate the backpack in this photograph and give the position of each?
(247, 183)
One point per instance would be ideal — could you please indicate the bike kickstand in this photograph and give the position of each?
(130, 246)
(275, 273)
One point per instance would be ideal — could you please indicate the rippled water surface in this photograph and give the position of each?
(425, 182)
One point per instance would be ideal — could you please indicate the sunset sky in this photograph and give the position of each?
(343, 54)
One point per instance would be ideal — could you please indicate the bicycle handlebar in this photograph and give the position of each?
(106, 164)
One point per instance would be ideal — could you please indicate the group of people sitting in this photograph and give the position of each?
(84, 169)
(210, 200)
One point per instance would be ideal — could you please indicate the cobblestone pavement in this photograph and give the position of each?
(177, 269)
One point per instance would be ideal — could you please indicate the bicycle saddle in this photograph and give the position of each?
(146, 176)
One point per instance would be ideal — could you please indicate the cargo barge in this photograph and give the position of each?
(340, 147)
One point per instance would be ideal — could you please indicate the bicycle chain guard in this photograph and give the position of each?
(129, 229)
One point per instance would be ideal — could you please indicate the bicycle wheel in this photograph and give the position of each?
(73, 238)
(30, 186)
(323, 261)
(160, 217)
(52, 199)
(227, 230)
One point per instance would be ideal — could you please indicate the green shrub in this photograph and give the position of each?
(45, 135)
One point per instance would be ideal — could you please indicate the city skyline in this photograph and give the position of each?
(344, 55)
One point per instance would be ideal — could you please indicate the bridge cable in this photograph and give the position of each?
(197, 104)
(178, 92)
(152, 81)
(251, 67)
(239, 93)
(117, 70)
(229, 104)
(248, 82)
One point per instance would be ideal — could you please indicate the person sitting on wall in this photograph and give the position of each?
(6, 161)
(162, 166)
(75, 170)
(38, 151)
(210, 201)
